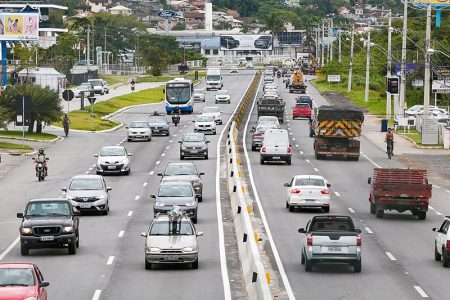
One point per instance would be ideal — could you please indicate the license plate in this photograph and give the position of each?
(47, 238)
(276, 157)
(138, 136)
(111, 167)
(85, 205)
(194, 151)
(155, 130)
(310, 200)
(334, 249)
(171, 257)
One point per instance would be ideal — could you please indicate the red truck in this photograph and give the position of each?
(400, 190)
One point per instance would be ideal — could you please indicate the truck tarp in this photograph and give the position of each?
(331, 113)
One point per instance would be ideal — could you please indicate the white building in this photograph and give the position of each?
(292, 3)
(120, 10)
(44, 77)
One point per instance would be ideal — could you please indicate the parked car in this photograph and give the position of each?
(213, 111)
(276, 147)
(88, 193)
(99, 86)
(331, 239)
(49, 223)
(205, 123)
(417, 110)
(159, 125)
(86, 88)
(113, 159)
(442, 243)
(184, 171)
(22, 280)
(193, 145)
(307, 191)
(171, 239)
(301, 110)
(173, 194)
(199, 95)
(258, 133)
(223, 96)
(249, 65)
(139, 130)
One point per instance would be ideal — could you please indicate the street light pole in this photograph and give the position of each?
(350, 67)
(427, 76)
(403, 67)
(366, 91)
(322, 46)
(389, 66)
(330, 39)
(340, 47)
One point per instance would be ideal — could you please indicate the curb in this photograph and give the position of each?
(30, 140)
(92, 131)
(21, 154)
(419, 146)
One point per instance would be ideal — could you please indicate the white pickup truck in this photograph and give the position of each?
(331, 239)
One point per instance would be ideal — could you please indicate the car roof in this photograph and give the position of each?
(87, 176)
(139, 121)
(18, 265)
(175, 183)
(193, 133)
(48, 200)
(180, 163)
(165, 217)
(113, 147)
(309, 176)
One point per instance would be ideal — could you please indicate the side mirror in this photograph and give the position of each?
(126, 127)
(434, 229)
(179, 142)
(95, 155)
(164, 90)
(153, 196)
(20, 215)
(44, 284)
(76, 212)
(64, 189)
(33, 158)
(47, 158)
(201, 173)
(193, 121)
(159, 174)
(199, 233)
(108, 188)
(207, 142)
(369, 180)
(302, 230)
(144, 234)
(357, 230)
(130, 154)
(287, 184)
(328, 185)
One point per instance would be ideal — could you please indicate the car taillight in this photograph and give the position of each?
(358, 241)
(296, 191)
(325, 192)
(289, 150)
(257, 134)
(448, 244)
(263, 149)
(309, 240)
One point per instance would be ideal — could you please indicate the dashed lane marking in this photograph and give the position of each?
(296, 145)
(421, 292)
(290, 133)
(163, 154)
(307, 160)
(170, 141)
(438, 213)
(130, 213)
(137, 197)
(87, 172)
(301, 152)
(447, 191)
(151, 173)
(90, 169)
(337, 194)
(368, 230)
(121, 233)
(293, 139)
(96, 295)
(351, 210)
(93, 165)
(167, 147)
(391, 257)
(145, 184)
(430, 207)
(436, 186)
(315, 169)
(157, 163)
(110, 260)
(10, 247)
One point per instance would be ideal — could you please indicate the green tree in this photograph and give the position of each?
(157, 59)
(45, 107)
(223, 26)
(179, 26)
(275, 20)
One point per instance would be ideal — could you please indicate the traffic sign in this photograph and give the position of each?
(92, 100)
(68, 95)
(166, 14)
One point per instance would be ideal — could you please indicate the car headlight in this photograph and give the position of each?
(26, 230)
(70, 197)
(187, 249)
(101, 197)
(191, 204)
(154, 249)
(67, 229)
(31, 298)
(183, 148)
(159, 204)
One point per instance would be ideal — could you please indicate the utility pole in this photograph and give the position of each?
(317, 45)
(389, 66)
(340, 45)
(88, 56)
(350, 67)
(366, 91)
(330, 39)
(403, 67)
(322, 46)
(427, 77)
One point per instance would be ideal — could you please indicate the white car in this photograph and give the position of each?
(213, 111)
(418, 110)
(273, 95)
(234, 70)
(276, 147)
(249, 65)
(113, 159)
(205, 123)
(308, 191)
(223, 96)
(269, 85)
(99, 86)
(199, 95)
(139, 130)
(268, 119)
(271, 88)
(442, 243)
(85, 88)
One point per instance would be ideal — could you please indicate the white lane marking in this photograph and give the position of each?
(290, 133)
(436, 186)
(151, 173)
(137, 197)
(351, 210)
(337, 194)
(174, 135)
(391, 257)
(118, 144)
(447, 191)
(170, 141)
(430, 207)
(278, 261)
(315, 169)
(162, 155)
(307, 160)
(145, 184)
(289, 128)
(87, 172)
(180, 130)
(374, 163)
(130, 213)
(293, 139)
(296, 145)
(157, 163)
(438, 213)
(368, 230)
(110, 260)
(167, 147)
(185, 126)
(121, 233)
(90, 169)
(7, 250)
(93, 165)
(301, 152)
(96, 295)
(421, 292)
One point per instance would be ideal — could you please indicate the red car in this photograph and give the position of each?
(301, 110)
(19, 281)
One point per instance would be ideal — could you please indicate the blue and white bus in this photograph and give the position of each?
(179, 93)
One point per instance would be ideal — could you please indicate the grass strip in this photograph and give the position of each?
(6, 145)
(35, 136)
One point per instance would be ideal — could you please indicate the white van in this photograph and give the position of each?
(275, 146)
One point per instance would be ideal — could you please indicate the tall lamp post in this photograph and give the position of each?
(350, 67)
(403, 66)
(366, 90)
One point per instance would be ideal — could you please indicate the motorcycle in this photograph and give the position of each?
(175, 119)
(40, 170)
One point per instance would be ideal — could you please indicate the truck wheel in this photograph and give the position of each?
(24, 251)
(317, 156)
(287, 204)
(261, 161)
(288, 161)
(445, 259)
(253, 148)
(373, 208)
(291, 208)
(72, 248)
(380, 214)
(422, 215)
(302, 261)
(148, 266)
(357, 266)
(195, 264)
(437, 256)
(326, 209)
(308, 265)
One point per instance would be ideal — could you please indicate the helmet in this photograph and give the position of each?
(155, 113)
(41, 150)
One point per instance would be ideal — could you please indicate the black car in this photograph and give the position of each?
(263, 42)
(193, 145)
(49, 223)
(159, 125)
(228, 42)
(184, 171)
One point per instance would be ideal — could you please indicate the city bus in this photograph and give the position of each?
(179, 92)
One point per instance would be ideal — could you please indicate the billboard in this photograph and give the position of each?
(246, 42)
(19, 26)
(432, 2)
(291, 38)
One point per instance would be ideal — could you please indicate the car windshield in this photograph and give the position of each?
(267, 119)
(211, 109)
(44, 209)
(182, 190)
(222, 92)
(205, 119)
(16, 277)
(265, 127)
(197, 91)
(193, 138)
(309, 181)
(138, 125)
(84, 86)
(93, 184)
(178, 92)
(112, 152)
(182, 169)
(171, 228)
(327, 225)
(96, 82)
(158, 119)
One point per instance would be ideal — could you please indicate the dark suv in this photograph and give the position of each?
(49, 223)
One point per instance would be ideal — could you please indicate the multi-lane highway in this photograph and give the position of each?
(110, 261)
(397, 250)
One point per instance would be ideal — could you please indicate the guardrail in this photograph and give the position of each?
(255, 277)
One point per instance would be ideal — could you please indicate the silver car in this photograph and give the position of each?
(171, 239)
(193, 145)
(179, 194)
(159, 125)
(223, 96)
(184, 171)
(113, 159)
(88, 193)
(139, 130)
(199, 95)
(258, 133)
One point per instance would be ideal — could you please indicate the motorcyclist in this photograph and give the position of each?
(176, 116)
(41, 157)
(155, 113)
(389, 139)
(132, 84)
